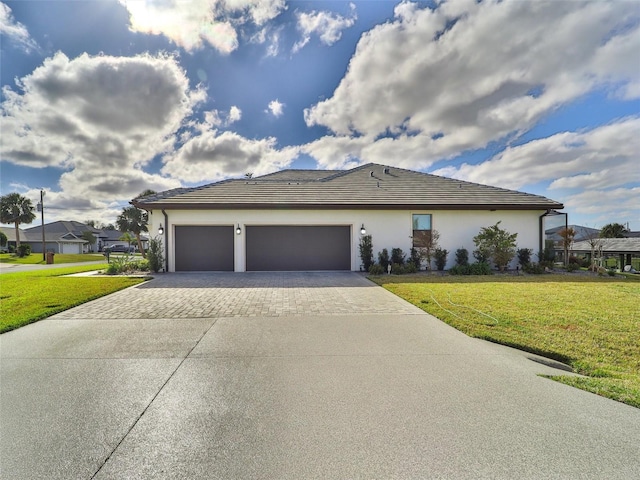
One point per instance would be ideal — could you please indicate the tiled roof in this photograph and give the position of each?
(610, 245)
(370, 186)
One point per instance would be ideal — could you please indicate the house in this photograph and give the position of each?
(625, 251)
(304, 220)
(10, 232)
(62, 237)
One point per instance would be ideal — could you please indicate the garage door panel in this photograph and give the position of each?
(204, 248)
(298, 248)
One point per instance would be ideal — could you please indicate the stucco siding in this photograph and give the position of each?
(388, 228)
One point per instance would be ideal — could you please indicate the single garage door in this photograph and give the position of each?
(301, 248)
(204, 248)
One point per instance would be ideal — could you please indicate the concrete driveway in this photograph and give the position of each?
(289, 376)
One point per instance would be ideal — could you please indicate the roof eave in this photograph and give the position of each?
(342, 206)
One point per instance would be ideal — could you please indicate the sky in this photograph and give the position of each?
(102, 100)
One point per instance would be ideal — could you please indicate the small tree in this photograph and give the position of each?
(429, 244)
(16, 209)
(524, 256)
(3, 240)
(90, 238)
(127, 237)
(397, 256)
(596, 244)
(440, 255)
(498, 244)
(415, 258)
(155, 255)
(366, 252)
(383, 258)
(567, 235)
(462, 257)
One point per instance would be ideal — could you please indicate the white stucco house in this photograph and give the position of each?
(309, 220)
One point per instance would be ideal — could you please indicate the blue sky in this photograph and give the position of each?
(104, 99)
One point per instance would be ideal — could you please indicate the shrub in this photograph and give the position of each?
(11, 249)
(383, 259)
(397, 269)
(155, 255)
(24, 250)
(462, 257)
(366, 252)
(376, 269)
(547, 256)
(416, 259)
(572, 267)
(112, 269)
(611, 272)
(496, 244)
(410, 267)
(440, 256)
(524, 256)
(580, 262)
(479, 268)
(533, 268)
(480, 256)
(397, 256)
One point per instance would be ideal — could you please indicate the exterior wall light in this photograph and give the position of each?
(160, 230)
(238, 230)
(363, 231)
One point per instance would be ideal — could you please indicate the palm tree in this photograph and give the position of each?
(16, 209)
(133, 220)
(127, 237)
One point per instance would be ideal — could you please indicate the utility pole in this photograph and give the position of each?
(41, 209)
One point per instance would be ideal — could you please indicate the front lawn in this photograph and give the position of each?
(591, 323)
(36, 258)
(30, 296)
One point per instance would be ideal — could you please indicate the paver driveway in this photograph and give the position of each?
(279, 376)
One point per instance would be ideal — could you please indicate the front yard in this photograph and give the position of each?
(36, 258)
(30, 296)
(591, 323)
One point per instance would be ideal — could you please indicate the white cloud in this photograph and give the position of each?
(211, 156)
(195, 23)
(327, 26)
(100, 118)
(465, 73)
(235, 114)
(275, 108)
(604, 157)
(15, 31)
(593, 172)
(214, 119)
(606, 206)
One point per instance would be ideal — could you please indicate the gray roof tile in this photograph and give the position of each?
(367, 186)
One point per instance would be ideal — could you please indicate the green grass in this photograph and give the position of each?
(26, 297)
(591, 323)
(36, 258)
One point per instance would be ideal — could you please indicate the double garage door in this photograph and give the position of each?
(268, 248)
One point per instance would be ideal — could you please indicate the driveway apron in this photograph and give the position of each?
(289, 376)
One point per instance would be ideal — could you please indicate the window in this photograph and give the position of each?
(421, 229)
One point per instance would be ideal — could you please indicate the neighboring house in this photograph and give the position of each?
(10, 232)
(62, 237)
(582, 233)
(625, 250)
(303, 220)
